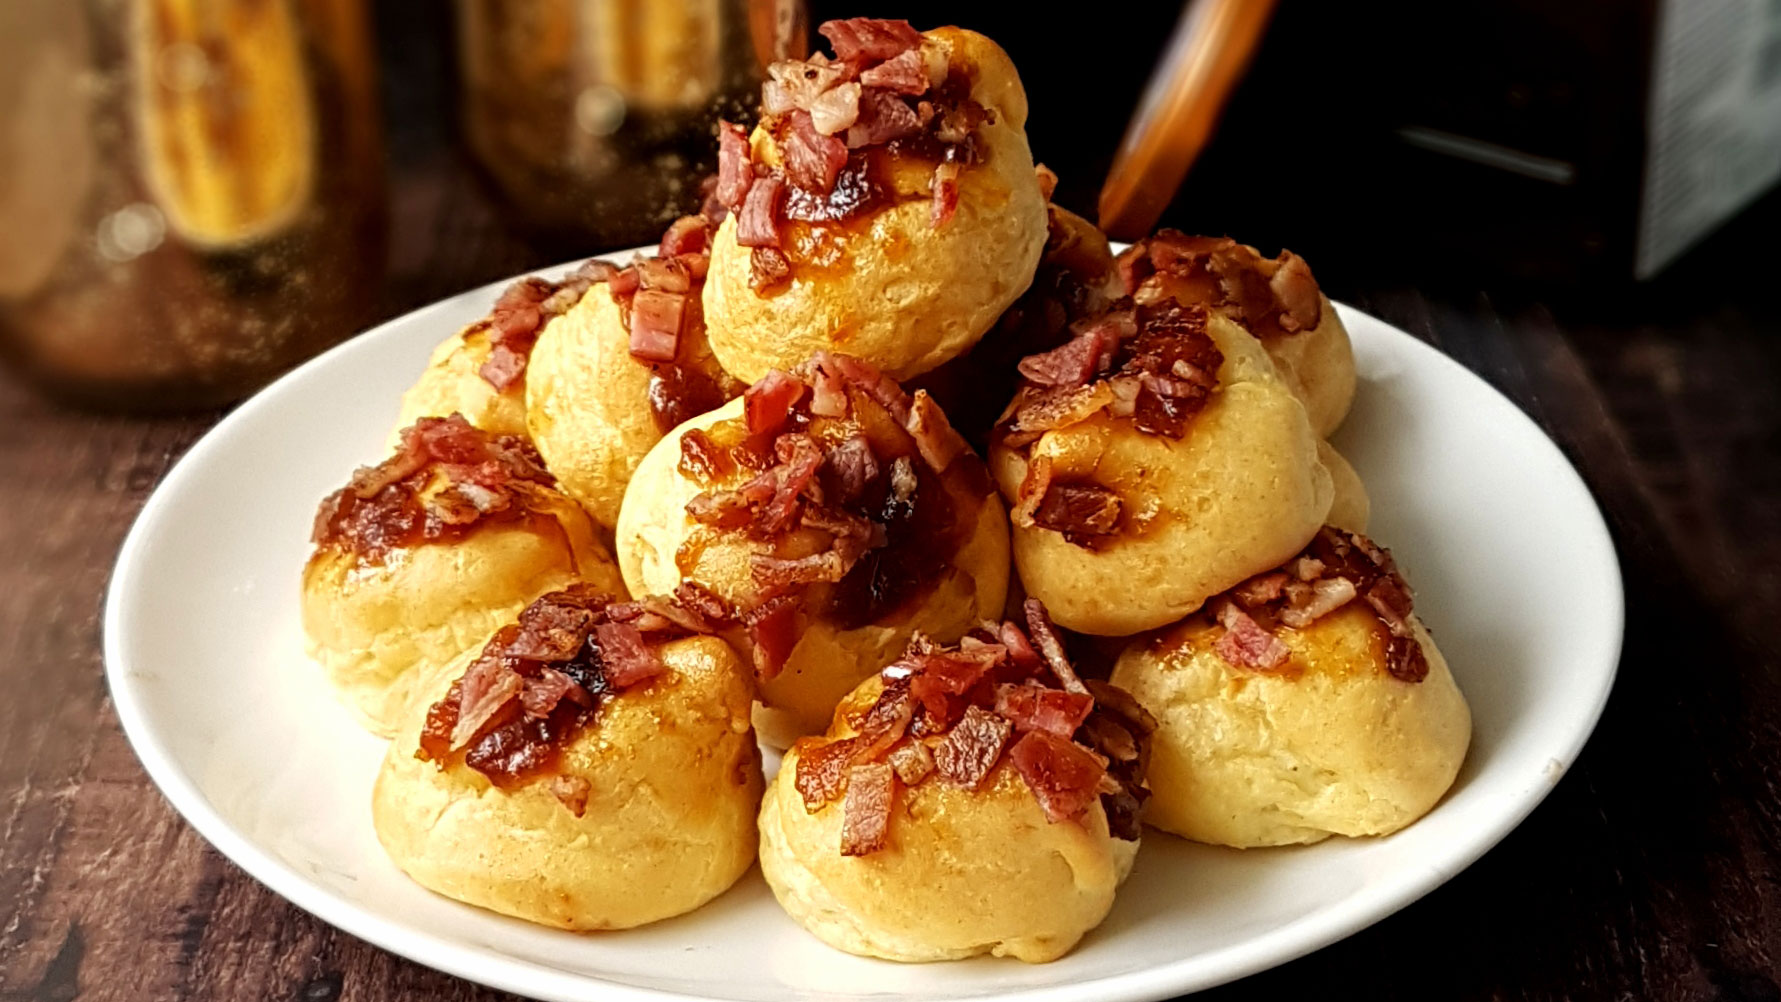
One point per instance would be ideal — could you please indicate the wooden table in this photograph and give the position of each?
(1652, 872)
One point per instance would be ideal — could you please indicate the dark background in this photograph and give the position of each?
(1652, 872)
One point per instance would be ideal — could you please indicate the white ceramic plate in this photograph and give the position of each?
(1512, 564)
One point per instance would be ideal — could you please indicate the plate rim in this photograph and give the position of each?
(487, 966)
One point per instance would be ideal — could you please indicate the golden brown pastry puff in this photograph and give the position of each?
(1276, 300)
(1154, 460)
(1351, 507)
(886, 206)
(420, 557)
(1309, 701)
(1076, 279)
(592, 768)
(480, 372)
(832, 516)
(622, 367)
(968, 800)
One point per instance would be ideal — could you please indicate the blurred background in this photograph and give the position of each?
(197, 194)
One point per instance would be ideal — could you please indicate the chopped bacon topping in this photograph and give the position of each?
(838, 448)
(1270, 297)
(1154, 364)
(912, 760)
(946, 193)
(572, 791)
(656, 321)
(445, 477)
(1336, 568)
(513, 325)
(955, 714)
(734, 174)
(812, 160)
(686, 235)
(757, 220)
(1033, 707)
(540, 681)
(862, 40)
(1083, 512)
(772, 633)
(904, 73)
(1064, 776)
(1245, 643)
(971, 748)
(865, 809)
(885, 89)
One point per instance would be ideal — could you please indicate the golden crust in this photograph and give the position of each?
(1351, 507)
(1332, 746)
(827, 661)
(453, 383)
(376, 627)
(894, 289)
(674, 779)
(1241, 492)
(587, 401)
(962, 873)
(1319, 366)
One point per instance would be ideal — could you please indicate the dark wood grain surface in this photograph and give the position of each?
(1652, 872)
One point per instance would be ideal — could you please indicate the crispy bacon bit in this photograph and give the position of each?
(503, 368)
(823, 770)
(835, 109)
(757, 223)
(934, 438)
(1307, 603)
(1045, 638)
(772, 633)
(912, 761)
(812, 160)
(1245, 644)
(767, 268)
(656, 321)
(1405, 659)
(946, 193)
(1077, 361)
(767, 405)
(875, 384)
(1033, 707)
(864, 40)
(828, 393)
(1260, 590)
(734, 174)
(865, 810)
(550, 688)
(904, 73)
(572, 791)
(696, 598)
(1083, 512)
(686, 235)
(1039, 413)
(1301, 302)
(971, 748)
(853, 467)
(882, 118)
(1064, 776)
(627, 659)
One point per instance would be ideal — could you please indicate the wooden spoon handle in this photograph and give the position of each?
(1206, 57)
